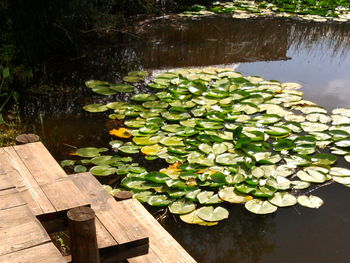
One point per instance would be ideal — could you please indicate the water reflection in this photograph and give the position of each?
(243, 238)
(173, 43)
(314, 54)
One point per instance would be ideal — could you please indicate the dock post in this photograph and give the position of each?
(84, 248)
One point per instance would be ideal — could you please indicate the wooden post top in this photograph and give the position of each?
(80, 214)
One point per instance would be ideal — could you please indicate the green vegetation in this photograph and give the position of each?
(316, 10)
(220, 137)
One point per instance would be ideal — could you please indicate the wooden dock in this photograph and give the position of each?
(35, 195)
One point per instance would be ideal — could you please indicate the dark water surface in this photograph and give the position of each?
(314, 54)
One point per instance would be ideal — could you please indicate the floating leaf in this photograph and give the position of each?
(80, 169)
(208, 213)
(208, 197)
(159, 200)
(95, 108)
(192, 218)
(122, 88)
(229, 194)
(89, 152)
(283, 199)
(65, 163)
(257, 206)
(103, 170)
(182, 206)
(310, 201)
(121, 133)
(104, 90)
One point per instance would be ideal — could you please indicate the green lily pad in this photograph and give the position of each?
(229, 194)
(310, 201)
(323, 159)
(143, 197)
(103, 170)
(133, 79)
(172, 141)
(104, 90)
(283, 199)
(260, 207)
(170, 116)
(157, 177)
(339, 171)
(208, 213)
(93, 83)
(122, 88)
(89, 152)
(144, 97)
(159, 200)
(137, 183)
(132, 149)
(208, 197)
(192, 218)
(65, 163)
(227, 159)
(182, 206)
(80, 168)
(95, 108)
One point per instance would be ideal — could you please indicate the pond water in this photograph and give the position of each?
(314, 54)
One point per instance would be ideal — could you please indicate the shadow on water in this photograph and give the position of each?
(314, 54)
(273, 48)
(240, 239)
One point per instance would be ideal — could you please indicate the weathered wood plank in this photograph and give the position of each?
(161, 242)
(107, 210)
(20, 230)
(130, 220)
(45, 253)
(104, 238)
(64, 194)
(5, 182)
(10, 198)
(40, 163)
(97, 200)
(24, 181)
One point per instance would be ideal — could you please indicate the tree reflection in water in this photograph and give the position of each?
(243, 238)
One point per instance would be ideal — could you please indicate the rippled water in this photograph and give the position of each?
(313, 54)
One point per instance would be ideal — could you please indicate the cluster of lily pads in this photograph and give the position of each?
(243, 9)
(222, 137)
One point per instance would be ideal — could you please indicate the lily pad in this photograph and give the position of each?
(283, 199)
(208, 213)
(192, 218)
(310, 201)
(95, 108)
(260, 207)
(229, 194)
(103, 170)
(89, 152)
(159, 200)
(182, 206)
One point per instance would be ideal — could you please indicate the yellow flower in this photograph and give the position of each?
(121, 133)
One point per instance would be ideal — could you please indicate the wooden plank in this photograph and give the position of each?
(161, 242)
(124, 251)
(5, 182)
(127, 223)
(20, 230)
(64, 194)
(40, 163)
(97, 200)
(104, 238)
(45, 253)
(107, 210)
(10, 198)
(24, 181)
